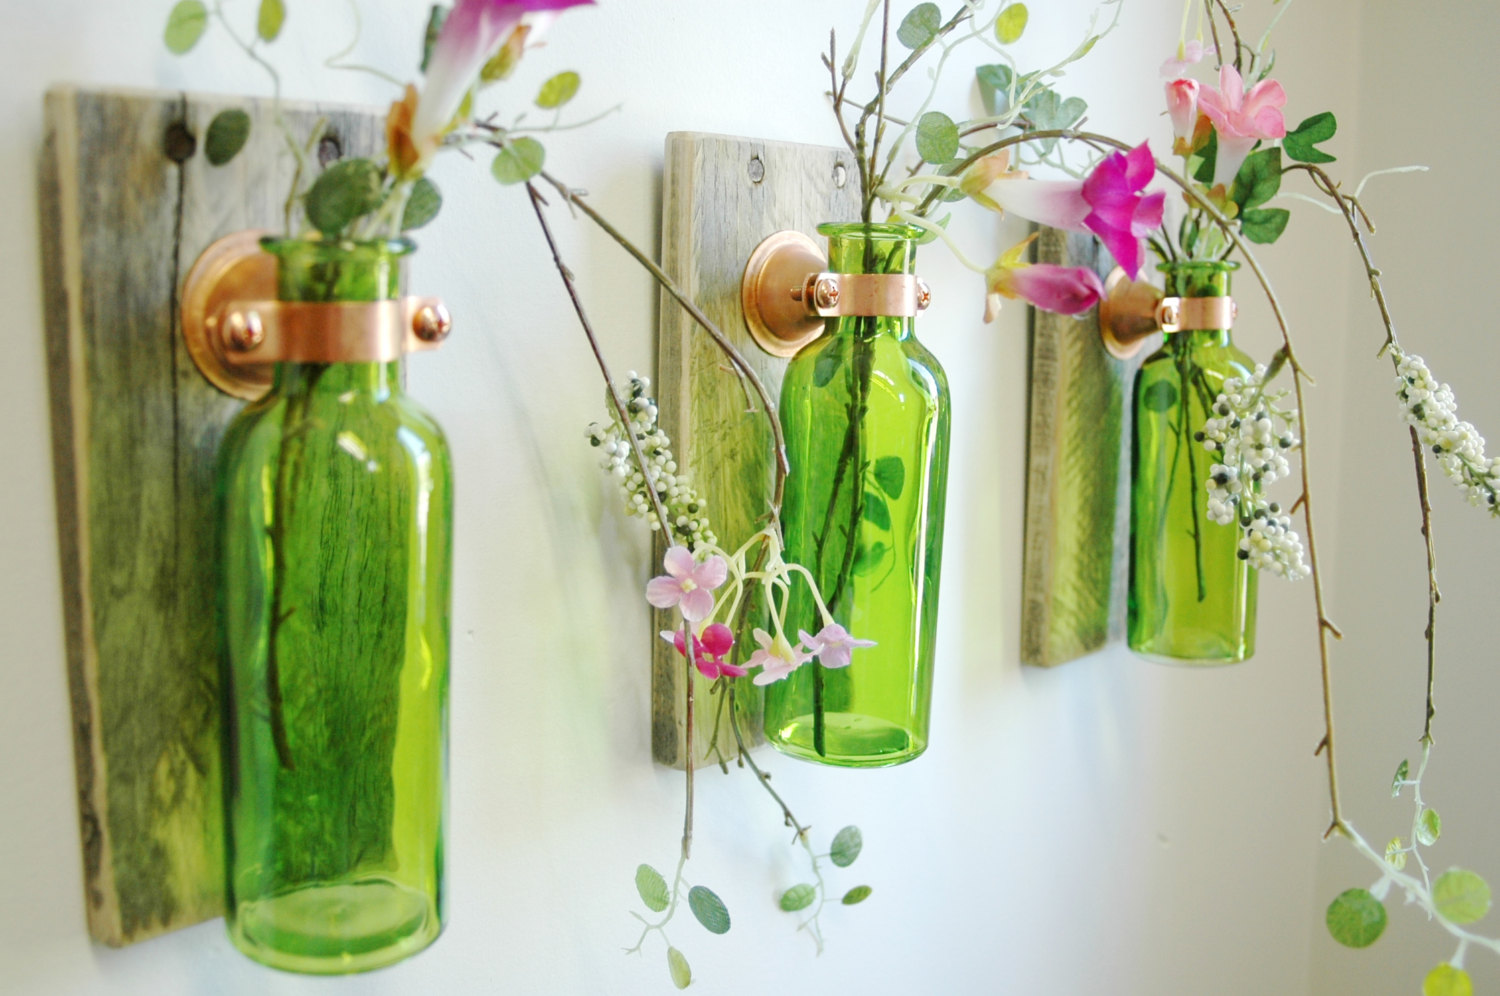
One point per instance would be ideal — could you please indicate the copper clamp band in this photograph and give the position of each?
(254, 332)
(1195, 314)
(885, 295)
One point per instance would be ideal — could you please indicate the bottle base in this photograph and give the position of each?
(1195, 657)
(335, 929)
(850, 740)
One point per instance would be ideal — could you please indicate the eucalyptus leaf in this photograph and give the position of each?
(1429, 827)
(798, 897)
(877, 512)
(1258, 180)
(270, 19)
(1264, 225)
(1049, 111)
(1395, 854)
(1402, 771)
(558, 90)
(1301, 142)
(890, 476)
(1011, 23)
(1159, 397)
(1461, 896)
(652, 888)
(858, 894)
(226, 136)
(920, 26)
(520, 160)
(185, 25)
(343, 192)
(994, 87)
(1356, 919)
(682, 975)
(847, 844)
(1445, 980)
(937, 138)
(709, 909)
(422, 206)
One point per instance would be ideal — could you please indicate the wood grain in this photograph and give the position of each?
(128, 201)
(1077, 476)
(723, 196)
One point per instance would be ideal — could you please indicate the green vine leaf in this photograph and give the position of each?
(436, 15)
(920, 26)
(994, 87)
(798, 897)
(682, 975)
(422, 205)
(270, 19)
(937, 138)
(856, 895)
(826, 366)
(1445, 980)
(847, 844)
(1461, 896)
(1429, 827)
(867, 558)
(226, 136)
(652, 888)
(185, 25)
(1395, 854)
(1300, 143)
(520, 160)
(558, 90)
(1402, 770)
(1356, 919)
(877, 512)
(1011, 23)
(344, 191)
(1258, 180)
(890, 476)
(1264, 225)
(1159, 397)
(709, 909)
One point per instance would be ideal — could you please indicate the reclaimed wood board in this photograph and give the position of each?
(1076, 558)
(721, 197)
(128, 200)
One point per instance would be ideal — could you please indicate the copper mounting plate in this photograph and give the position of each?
(772, 292)
(1127, 315)
(233, 268)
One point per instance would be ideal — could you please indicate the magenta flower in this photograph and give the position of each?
(472, 32)
(833, 645)
(1066, 290)
(709, 650)
(1182, 108)
(1241, 119)
(776, 657)
(687, 584)
(1188, 54)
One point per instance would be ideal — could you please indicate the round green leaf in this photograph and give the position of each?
(709, 909)
(937, 138)
(1461, 896)
(226, 136)
(520, 160)
(344, 191)
(1395, 854)
(1356, 919)
(798, 897)
(185, 25)
(558, 90)
(1429, 827)
(652, 888)
(1159, 397)
(1402, 770)
(1445, 980)
(858, 894)
(272, 16)
(1010, 23)
(422, 206)
(877, 512)
(890, 475)
(682, 976)
(920, 26)
(847, 844)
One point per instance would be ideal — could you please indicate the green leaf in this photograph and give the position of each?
(345, 191)
(847, 844)
(1010, 23)
(877, 512)
(1395, 854)
(1461, 896)
(867, 558)
(1402, 771)
(558, 90)
(1159, 397)
(1356, 919)
(652, 888)
(1207, 157)
(1300, 142)
(435, 18)
(1445, 980)
(798, 897)
(994, 87)
(709, 909)
(519, 161)
(890, 475)
(858, 894)
(1429, 827)
(920, 26)
(272, 16)
(226, 136)
(826, 366)
(1258, 180)
(185, 25)
(1048, 111)
(682, 976)
(937, 138)
(1264, 225)
(422, 206)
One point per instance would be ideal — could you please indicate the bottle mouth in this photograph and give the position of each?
(1199, 265)
(282, 246)
(874, 229)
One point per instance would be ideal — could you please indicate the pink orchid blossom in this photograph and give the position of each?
(1241, 118)
(1188, 54)
(688, 585)
(1182, 108)
(709, 650)
(471, 33)
(1066, 290)
(833, 645)
(776, 657)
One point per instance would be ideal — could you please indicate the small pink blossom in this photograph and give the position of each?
(833, 645)
(1188, 54)
(1241, 118)
(710, 648)
(687, 583)
(1182, 107)
(776, 657)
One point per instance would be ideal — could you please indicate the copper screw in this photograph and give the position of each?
(826, 293)
(1168, 314)
(243, 330)
(924, 295)
(432, 323)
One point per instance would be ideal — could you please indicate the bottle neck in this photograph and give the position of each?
(1210, 278)
(873, 248)
(366, 380)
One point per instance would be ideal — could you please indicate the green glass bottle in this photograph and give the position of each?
(336, 498)
(1192, 599)
(865, 409)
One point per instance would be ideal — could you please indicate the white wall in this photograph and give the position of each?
(1108, 826)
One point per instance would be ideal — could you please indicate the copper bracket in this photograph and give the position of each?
(786, 293)
(235, 329)
(1134, 310)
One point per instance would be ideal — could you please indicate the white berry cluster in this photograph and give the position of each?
(1250, 437)
(685, 510)
(1430, 408)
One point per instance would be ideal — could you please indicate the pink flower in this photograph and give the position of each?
(833, 645)
(1182, 107)
(687, 583)
(1188, 54)
(1241, 119)
(709, 649)
(472, 32)
(1066, 290)
(776, 657)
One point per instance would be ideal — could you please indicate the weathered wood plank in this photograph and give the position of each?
(127, 205)
(1077, 478)
(722, 197)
